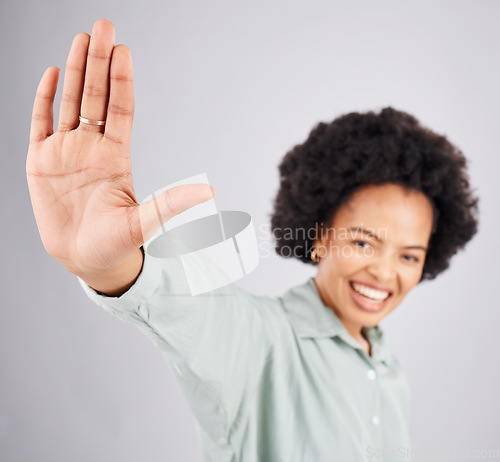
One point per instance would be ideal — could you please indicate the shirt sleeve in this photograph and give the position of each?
(217, 343)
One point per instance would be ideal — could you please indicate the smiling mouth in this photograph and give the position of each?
(369, 294)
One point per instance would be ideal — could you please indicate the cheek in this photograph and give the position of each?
(409, 281)
(345, 262)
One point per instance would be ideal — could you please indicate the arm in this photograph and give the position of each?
(217, 343)
(81, 188)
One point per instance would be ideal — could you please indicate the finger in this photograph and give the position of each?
(74, 76)
(42, 119)
(121, 98)
(170, 203)
(96, 86)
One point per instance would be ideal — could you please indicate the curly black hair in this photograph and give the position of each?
(361, 149)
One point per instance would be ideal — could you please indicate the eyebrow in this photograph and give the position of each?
(374, 236)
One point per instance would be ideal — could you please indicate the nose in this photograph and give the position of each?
(382, 268)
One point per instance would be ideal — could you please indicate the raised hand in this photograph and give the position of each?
(79, 176)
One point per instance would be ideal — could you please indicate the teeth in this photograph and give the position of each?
(377, 295)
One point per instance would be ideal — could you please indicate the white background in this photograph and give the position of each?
(226, 88)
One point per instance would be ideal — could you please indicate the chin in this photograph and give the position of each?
(369, 319)
(371, 322)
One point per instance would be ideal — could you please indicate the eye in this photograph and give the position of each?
(362, 244)
(411, 258)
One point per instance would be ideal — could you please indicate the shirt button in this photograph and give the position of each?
(371, 374)
(376, 420)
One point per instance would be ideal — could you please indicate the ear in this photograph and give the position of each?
(320, 245)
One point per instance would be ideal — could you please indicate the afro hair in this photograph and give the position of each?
(361, 149)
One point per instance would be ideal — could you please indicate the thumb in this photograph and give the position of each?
(154, 213)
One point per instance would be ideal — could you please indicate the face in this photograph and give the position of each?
(373, 254)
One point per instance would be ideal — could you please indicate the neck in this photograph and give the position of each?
(354, 330)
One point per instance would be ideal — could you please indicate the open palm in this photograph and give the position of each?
(79, 176)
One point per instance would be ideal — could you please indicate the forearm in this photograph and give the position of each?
(116, 281)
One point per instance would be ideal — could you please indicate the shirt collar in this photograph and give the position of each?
(311, 318)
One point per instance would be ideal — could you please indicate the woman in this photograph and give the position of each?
(378, 202)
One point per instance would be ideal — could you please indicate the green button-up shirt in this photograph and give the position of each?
(270, 378)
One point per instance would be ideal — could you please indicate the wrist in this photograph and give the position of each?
(114, 282)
